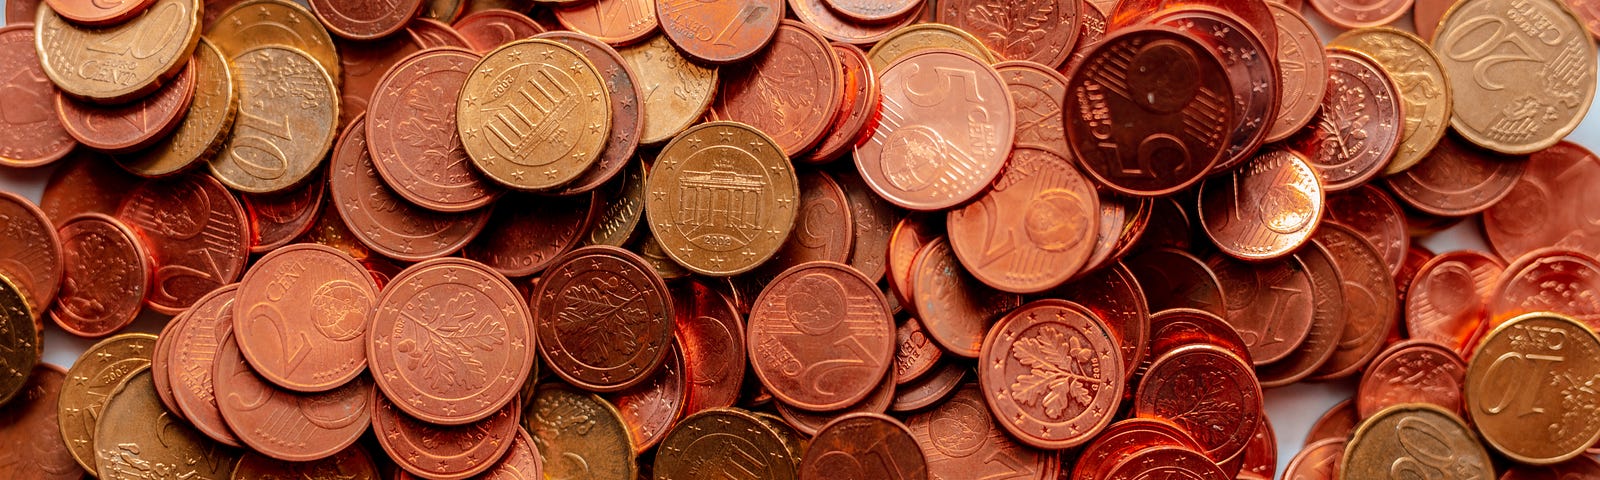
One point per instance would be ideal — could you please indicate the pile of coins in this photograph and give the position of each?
(821, 239)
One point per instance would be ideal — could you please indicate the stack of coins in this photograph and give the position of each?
(813, 239)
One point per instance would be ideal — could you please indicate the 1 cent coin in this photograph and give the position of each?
(134, 434)
(1174, 278)
(863, 446)
(412, 135)
(604, 318)
(1534, 214)
(288, 118)
(444, 451)
(533, 115)
(1327, 321)
(1523, 390)
(791, 91)
(490, 28)
(1370, 304)
(33, 134)
(1371, 212)
(191, 362)
(123, 62)
(107, 276)
(1394, 439)
(301, 317)
(1269, 303)
(30, 433)
(616, 22)
(1412, 371)
(358, 20)
(841, 28)
(131, 126)
(1033, 230)
(31, 254)
(720, 32)
(797, 324)
(98, 14)
(959, 438)
(1039, 95)
(1056, 378)
(1317, 461)
(1264, 210)
(286, 425)
(450, 341)
(1359, 127)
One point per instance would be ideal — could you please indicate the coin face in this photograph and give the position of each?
(960, 439)
(121, 62)
(1250, 69)
(1534, 216)
(795, 324)
(301, 317)
(840, 28)
(107, 276)
(721, 32)
(1448, 300)
(1121, 440)
(1522, 103)
(708, 443)
(409, 131)
(134, 432)
(29, 429)
(1547, 280)
(1057, 375)
(1035, 227)
(859, 105)
(31, 257)
(1412, 371)
(36, 136)
(1018, 31)
(710, 333)
(1302, 69)
(489, 29)
(1358, 129)
(940, 147)
(380, 218)
(362, 65)
(627, 114)
(90, 382)
(604, 318)
(840, 450)
(588, 436)
(279, 218)
(358, 20)
(1423, 89)
(97, 13)
(450, 341)
(791, 91)
(132, 126)
(22, 338)
(1166, 461)
(533, 114)
(721, 198)
(1369, 303)
(1327, 321)
(1269, 303)
(1200, 386)
(653, 407)
(1145, 134)
(453, 452)
(1458, 180)
(288, 117)
(283, 424)
(616, 22)
(1265, 209)
(926, 36)
(205, 125)
(252, 23)
(1392, 437)
(190, 360)
(689, 88)
(810, 423)
(956, 308)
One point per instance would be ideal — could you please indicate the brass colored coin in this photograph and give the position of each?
(1424, 89)
(136, 437)
(206, 126)
(723, 440)
(534, 114)
(675, 91)
(580, 435)
(1528, 388)
(19, 341)
(91, 381)
(254, 23)
(923, 37)
(721, 198)
(1419, 440)
(624, 200)
(119, 63)
(1522, 72)
(288, 118)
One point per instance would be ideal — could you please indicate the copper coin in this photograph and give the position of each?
(627, 118)
(810, 423)
(1425, 91)
(857, 109)
(443, 451)
(710, 332)
(93, 13)
(1170, 225)
(1358, 129)
(301, 317)
(450, 341)
(1168, 462)
(383, 221)
(1370, 305)
(1412, 371)
(1580, 467)
(1092, 27)
(1260, 456)
(1176, 279)
(1317, 461)
(956, 308)
(915, 354)
(1547, 280)
(932, 388)
(21, 11)
(443, 11)
(1250, 69)
(1116, 298)
(362, 65)
(791, 91)
(651, 408)
(1117, 213)
(863, 446)
(1327, 321)
(358, 20)
(30, 434)
(278, 218)
(1209, 392)
(527, 232)
(1457, 179)
(1271, 304)
(936, 147)
(1370, 211)
(1417, 439)
(797, 325)
(1422, 224)
(1018, 31)
(840, 28)
(161, 364)
(1177, 327)
(1143, 133)
(960, 440)
(908, 237)
(873, 12)
(33, 134)
(616, 22)
(129, 127)
(1416, 256)
(1121, 440)
(1427, 14)
(107, 276)
(1039, 95)
(489, 29)
(727, 442)
(31, 255)
(86, 182)
(192, 356)
(1253, 13)
(604, 318)
(1057, 379)
(431, 33)
(689, 88)
(1448, 300)
(1537, 212)
(1033, 230)
(1338, 423)
(1518, 391)
(352, 463)
(130, 59)
(720, 32)
(285, 425)
(1264, 210)
(330, 230)
(874, 220)
(824, 229)
(412, 136)
(1361, 14)
(1303, 72)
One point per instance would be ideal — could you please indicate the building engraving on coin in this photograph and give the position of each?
(534, 115)
(721, 198)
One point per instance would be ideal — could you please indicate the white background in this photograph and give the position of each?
(1291, 409)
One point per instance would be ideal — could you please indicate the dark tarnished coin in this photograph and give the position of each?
(861, 447)
(728, 442)
(527, 233)
(1265, 209)
(1526, 388)
(1056, 378)
(102, 368)
(197, 237)
(959, 438)
(29, 431)
(352, 463)
(604, 318)
(1415, 439)
(874, 219)
(581, 436)
(820, 336)
(31, 256)
(301, 317)
(282, 424)
(1174, 278)
(1033, 230)
(107, 276)
(623, 200)
(135, 437)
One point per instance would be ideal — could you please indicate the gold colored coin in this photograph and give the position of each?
(1424, 89)
(1522, 72)
(534, 115)
(579, 435)
(90, 381)
(122, 62)
(1528, 388)
(922, 37)
(624, 197)
(675, 91)
(136, 437)
(288, 118)
(650, 250)
(204, 128)
(721, 198)
(19, 341)
(713, 435)
(1420, 439)
(253, 23)
(793, 441)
